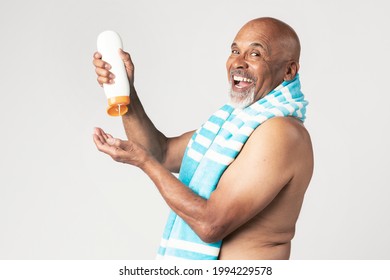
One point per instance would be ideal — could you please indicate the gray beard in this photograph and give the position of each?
(241, 100)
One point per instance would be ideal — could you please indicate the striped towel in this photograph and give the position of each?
(210, 151)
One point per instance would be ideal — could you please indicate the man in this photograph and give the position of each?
(251, 210)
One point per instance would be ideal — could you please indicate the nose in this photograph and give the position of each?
(240, 62)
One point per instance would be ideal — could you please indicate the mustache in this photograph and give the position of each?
(242, 73)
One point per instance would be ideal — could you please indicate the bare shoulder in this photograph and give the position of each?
(276, 151)
(287, 130)
(281, 145)
(284, 136)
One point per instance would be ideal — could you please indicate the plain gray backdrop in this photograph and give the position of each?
(62, 199)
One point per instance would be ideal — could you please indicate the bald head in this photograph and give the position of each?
(277, 32)
(264, 53)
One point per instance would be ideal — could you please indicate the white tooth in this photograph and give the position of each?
(239, 79)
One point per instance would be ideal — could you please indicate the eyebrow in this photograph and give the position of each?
(258, 45)
(252, 44)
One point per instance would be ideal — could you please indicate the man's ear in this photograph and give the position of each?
(292, 69)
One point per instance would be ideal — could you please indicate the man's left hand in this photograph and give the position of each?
(120, 150)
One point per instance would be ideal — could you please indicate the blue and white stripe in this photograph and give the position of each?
(210, 151)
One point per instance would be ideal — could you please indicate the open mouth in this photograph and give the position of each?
(242, 83)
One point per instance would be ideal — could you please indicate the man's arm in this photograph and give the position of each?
(268, 161)
(138, 127)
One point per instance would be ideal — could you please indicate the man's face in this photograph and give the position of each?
(256, 63)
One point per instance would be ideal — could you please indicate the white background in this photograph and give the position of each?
(62, 199)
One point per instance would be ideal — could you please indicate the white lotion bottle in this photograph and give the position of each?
(118, 94)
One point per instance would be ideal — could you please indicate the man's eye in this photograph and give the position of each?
(255, 54)
(235, 52)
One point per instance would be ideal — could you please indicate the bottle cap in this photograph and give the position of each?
(117, 105)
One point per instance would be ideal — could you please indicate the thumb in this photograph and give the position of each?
(128, 64)
(114, 142)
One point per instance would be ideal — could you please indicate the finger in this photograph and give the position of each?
(104, 135)
(98, 62)
(96, 130)
(101, 138)
(126, 60)
(108, 136)
(114, 142)
(104, 73)
(102, 70)
(97, 55)
(98, 142)
(111, 148)
(105, 80)
(103, 147)
(125, 56)
(100, 134)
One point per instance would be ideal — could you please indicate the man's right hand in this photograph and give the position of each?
(103, 68)
(138, 127)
